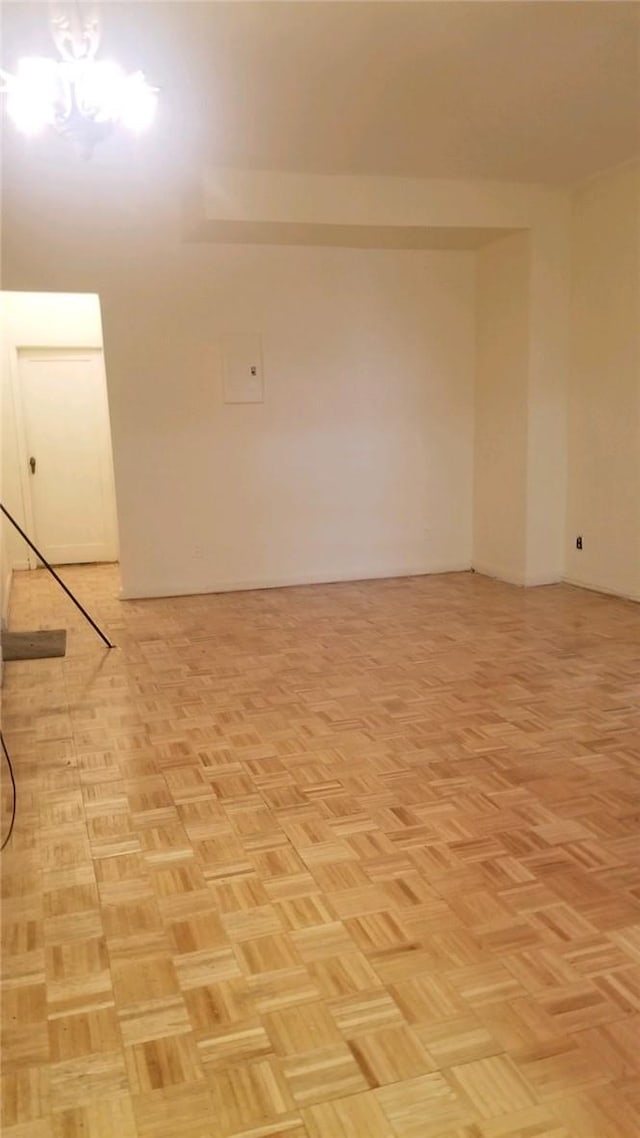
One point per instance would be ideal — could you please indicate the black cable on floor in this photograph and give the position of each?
(15, 793)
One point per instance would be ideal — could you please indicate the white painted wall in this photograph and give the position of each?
(547, 399)
(603, 501)
(365, 437)
(501, 408)
(362, 444)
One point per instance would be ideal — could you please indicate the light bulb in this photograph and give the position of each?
(72, 94)
(99, 87)
(138, 104)
(34, 94)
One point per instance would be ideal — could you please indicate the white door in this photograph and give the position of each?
(68, 454)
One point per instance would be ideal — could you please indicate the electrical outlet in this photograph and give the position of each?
(198, 552)
(579, 541)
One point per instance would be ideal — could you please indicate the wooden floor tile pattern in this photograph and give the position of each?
(346, 861)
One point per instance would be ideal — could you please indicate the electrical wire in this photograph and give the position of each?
(15, 793)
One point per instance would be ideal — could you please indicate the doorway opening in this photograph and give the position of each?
(57, 475)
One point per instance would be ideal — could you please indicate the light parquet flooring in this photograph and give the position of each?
(349, 861)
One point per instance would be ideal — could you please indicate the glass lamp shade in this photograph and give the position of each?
(74, 94)
(38, 95)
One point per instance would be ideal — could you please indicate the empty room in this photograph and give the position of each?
(320, 569)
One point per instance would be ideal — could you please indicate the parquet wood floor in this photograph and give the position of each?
(349, 861)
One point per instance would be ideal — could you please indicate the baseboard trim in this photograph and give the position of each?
(133, 592)
(515, 578)
(538, 581)
(486, 569)
(605, 590)
(170, 589)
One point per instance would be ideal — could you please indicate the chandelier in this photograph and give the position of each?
(81, 97)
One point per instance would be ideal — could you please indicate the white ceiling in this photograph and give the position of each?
(538, 91)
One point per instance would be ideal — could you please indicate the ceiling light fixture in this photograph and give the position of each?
(78, 95)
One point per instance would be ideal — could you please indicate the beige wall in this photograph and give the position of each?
(218, 470)
(547, 401)
(357, 343)
(360, 460)
(501, 394)
(523, 539)
(357, 464)
(603, 500)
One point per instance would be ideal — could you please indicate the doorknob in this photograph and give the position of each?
(32, 464)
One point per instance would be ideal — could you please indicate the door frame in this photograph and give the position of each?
(21, 434)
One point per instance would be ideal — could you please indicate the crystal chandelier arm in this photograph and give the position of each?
(78, 95)
(8, 80)
(75, 30)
